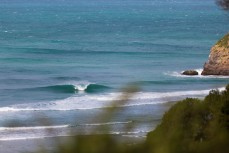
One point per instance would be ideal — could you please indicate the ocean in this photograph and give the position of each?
(62, 62)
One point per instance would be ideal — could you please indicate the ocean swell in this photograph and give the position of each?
(72, 88)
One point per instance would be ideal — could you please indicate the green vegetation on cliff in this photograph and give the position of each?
(224, 41)
(194, 126)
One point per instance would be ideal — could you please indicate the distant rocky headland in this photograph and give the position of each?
(218, 61)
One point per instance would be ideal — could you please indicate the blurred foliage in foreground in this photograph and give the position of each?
(194, 126)
(223, 3)
(190, 126)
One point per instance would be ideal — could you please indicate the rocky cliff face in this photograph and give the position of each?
(218, 62)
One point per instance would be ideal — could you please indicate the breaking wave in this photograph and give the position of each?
(75, 87)
(86, 102)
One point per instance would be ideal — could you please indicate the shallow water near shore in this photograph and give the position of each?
(65, 61)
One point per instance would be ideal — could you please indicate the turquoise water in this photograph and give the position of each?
(66, 60)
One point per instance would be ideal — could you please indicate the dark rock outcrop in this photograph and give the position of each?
(218, 62)
(190, 72)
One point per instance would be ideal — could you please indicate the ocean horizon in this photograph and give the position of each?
(66, 60)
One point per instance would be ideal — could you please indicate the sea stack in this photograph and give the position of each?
(190, 72)
(218, 62)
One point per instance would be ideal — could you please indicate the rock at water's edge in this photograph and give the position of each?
(218, 62)
(190, 72)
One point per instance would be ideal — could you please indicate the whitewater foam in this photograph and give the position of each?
(12, 138)
(82, 86)
(85, 102)
(33, 136)
(32, 128)
(36, 132)
(179, 74)
(108, 123)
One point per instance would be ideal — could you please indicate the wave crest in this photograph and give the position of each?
(76, 87)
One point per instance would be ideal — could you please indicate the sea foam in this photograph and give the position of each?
(179, 74)
(87, 101)
(32, 128)
(36, 132)
(82, 86)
